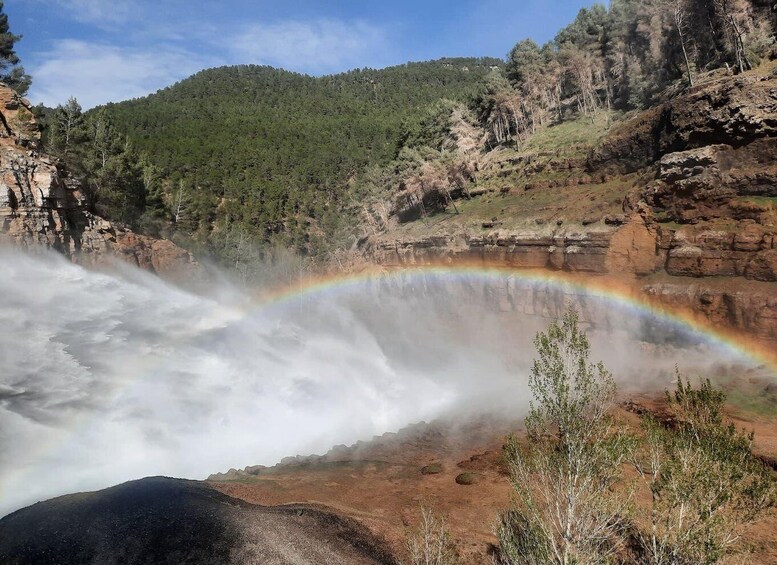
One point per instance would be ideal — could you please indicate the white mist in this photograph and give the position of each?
(107, 377)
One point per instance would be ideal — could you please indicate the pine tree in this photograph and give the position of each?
(67, 130)
(11, 72)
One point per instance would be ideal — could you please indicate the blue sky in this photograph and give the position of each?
(111, 50)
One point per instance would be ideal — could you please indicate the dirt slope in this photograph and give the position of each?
(382, 483)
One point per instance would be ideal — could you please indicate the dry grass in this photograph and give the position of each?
(533, 185)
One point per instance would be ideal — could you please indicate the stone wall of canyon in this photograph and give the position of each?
(41, 207)
(699, 233)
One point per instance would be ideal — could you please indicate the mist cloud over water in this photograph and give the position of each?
(107, 377)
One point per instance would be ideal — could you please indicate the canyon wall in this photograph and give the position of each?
(699, 232)
(42, 207)
(727, 279)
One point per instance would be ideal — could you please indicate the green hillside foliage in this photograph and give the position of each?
(270, 151)
(237, 160)
(629, 56)
(11, 72)
(559, 99)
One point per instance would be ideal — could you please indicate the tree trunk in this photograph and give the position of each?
(679, 20)
(450, 199)
(742, 60)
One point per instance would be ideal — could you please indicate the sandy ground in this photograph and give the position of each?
(381, 484)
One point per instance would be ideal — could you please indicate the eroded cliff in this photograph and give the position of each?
(41, 206)
(696, 228)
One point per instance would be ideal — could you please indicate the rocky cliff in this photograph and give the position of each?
(697, 178)
(734, 111)
(42, 207)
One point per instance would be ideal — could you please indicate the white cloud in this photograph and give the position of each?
(143, 59)
(97, 73)
(100, 12)
(106, 14)
(317, 47)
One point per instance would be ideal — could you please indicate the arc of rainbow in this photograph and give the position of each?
(620, 293)
(611, 290)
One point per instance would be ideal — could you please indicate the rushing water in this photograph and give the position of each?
(106, 377)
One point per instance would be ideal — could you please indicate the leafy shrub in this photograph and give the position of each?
(468, 478)
(567, 510)
(432, 469)
(704, 480)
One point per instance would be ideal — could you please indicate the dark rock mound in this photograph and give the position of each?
(162, 520)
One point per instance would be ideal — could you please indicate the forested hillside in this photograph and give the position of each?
(237, 159)
(265, 154)
(629, 56)
(534, 124)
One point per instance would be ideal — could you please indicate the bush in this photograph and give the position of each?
(468, 479)
(704, 480)
(568, 509)
(432, 469)
(430, 543)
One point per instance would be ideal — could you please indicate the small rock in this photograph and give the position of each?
(617, 220)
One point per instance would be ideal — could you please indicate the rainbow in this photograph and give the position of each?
(621, 294)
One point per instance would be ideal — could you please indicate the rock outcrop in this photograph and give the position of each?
(164, 520)
(41, 206)
(742, 307)
(701, 202)
(708, 182)
(559, 249)
(733, 111)
(749, 252)
(636, 248)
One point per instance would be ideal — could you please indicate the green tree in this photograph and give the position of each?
(587, 31)
(156, 218)
(67, 131)
(11, 72)
(704, 480)
(116, 181)
(566, 509)
(117, 185)
(103, 138)
(525, 61)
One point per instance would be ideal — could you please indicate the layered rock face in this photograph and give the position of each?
(731, 111)
(714, 182)
(41, 207)
(752, 308)
(750, 252)
(708, 161)
(631, 251)
(530, 249)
